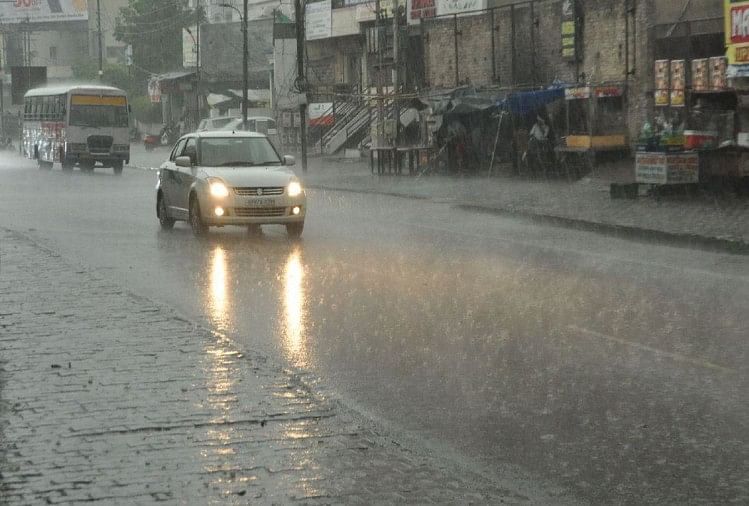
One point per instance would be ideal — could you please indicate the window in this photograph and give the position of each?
(177, 149)
(237, 151)
(191, 150)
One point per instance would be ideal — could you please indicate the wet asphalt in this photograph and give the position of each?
(614, 369)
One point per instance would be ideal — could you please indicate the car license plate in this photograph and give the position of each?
(261, 202)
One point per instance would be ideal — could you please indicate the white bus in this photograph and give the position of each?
(80, 125)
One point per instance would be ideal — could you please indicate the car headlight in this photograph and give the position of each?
(219, 189)
(294, 189)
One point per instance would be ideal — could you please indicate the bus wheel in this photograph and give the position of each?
(87, 166)
(44, 165)
(67, 165)
(117, 166)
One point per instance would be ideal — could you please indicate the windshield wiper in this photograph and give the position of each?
(237, 164)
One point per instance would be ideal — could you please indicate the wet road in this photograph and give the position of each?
(612, 368)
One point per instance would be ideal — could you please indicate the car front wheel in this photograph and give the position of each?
(166, 222)
(294, 230)
(196, 221)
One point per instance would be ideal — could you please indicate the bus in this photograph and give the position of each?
(76, 125)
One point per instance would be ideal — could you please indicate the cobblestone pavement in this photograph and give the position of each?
(108, 397)
(708, 214)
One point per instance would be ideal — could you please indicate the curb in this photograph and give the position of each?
(684, 240)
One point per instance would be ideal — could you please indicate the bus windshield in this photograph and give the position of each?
(93, 111)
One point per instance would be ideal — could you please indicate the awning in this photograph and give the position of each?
(528, 102)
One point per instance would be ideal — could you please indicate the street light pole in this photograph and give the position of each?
(301, 81)
(98, 27)
(245, 58)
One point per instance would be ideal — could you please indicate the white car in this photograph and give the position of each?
(229, 178)
(214, 123)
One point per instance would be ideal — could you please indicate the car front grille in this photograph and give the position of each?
(99, 143)
(259, 212)
(254, 191)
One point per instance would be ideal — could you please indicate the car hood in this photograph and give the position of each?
(251, 176)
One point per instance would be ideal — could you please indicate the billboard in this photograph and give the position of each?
(737, 31)
(318, 20)
(43, 11)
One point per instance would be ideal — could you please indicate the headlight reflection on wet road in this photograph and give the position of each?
(218, 289)
(294, 302)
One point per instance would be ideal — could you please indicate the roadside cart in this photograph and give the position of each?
(595, 124)
(706, 144)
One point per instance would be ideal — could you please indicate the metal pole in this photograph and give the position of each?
(301, 81)
(396, 78)
(533, 44)
(513, 68)
(455, 44)
(245, 63)
(494, 54)
(98, 28)
(197, 68)
(380, 101)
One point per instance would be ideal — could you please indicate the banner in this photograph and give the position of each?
(737, 31)
(460, 6)
(678, 82)
(321, 114)
(318, 20)
(43, 11)
(700, 74)
(154, 90)
(420, 9)
(189, 47)
(661, 82)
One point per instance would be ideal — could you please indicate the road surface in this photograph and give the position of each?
(613, 369)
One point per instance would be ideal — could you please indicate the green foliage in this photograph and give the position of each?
(144, 110)
(154, 30)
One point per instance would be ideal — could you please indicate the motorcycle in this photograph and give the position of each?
(166, 137)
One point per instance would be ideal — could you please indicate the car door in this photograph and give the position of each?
(186, 175)
(168, 178)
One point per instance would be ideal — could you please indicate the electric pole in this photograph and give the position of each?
(245, 58)
(396, 75)
(380, 102)
(98, 27)
(301, 80)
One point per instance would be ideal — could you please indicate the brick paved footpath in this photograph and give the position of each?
(106, 396)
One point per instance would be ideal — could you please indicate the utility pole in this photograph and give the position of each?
(380, 102)
(301, 79)
(98, 27)
(396, 75)
(245, 58)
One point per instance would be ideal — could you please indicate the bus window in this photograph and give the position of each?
(27, 108)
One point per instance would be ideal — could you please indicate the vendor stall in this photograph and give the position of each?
(696, 136)
(595, 123)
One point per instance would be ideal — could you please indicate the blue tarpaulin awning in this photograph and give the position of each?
(528, 102)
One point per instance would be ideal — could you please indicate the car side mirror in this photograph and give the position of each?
(183, 161)
(289, 160)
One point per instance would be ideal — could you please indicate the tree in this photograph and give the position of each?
(154, 30)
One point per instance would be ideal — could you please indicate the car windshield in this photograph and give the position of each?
(247, 151)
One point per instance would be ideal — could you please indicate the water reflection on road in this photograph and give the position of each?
(294, 303)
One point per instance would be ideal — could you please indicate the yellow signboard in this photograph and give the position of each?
(98, 100)
(737, 31)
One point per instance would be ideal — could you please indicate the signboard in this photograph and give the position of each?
(189, 47)
(321, 114)
(609, 91)
(420, 9)
(366, 11)
(577, 93)
(661, 82)
(569, 30)
(154, 90)
(43, 11)
(737, 31)
(318, 21)
(678, 82)
(700, 74)
(665, 168)
(445, 7)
